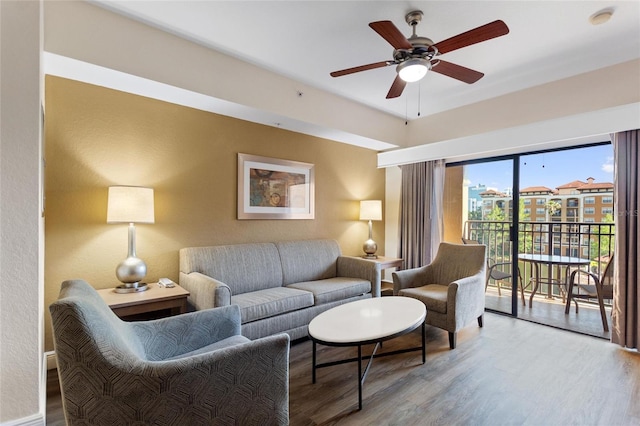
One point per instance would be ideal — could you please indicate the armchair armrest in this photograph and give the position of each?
(245, 382)
(409, 278)
(576, 272)
(465, 298)
(205, 292)
(176, 335)
(354, 267)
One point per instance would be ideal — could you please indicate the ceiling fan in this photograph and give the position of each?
(417, 55)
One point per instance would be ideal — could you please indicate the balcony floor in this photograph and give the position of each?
(551, 312)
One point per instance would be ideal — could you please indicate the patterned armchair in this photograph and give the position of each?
(451, 287)
(188, 369)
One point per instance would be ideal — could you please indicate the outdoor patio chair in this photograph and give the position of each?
(596, 288)
(498, 271)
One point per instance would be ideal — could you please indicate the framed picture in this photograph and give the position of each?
(270, 188)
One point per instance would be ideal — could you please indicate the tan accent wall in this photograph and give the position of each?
(97, 137)
(453, 204)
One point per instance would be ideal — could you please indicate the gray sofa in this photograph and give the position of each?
(279, 286)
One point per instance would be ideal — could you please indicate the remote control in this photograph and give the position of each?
(166, 282)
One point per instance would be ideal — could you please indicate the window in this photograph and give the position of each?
(527, 201)
(589, 220)
(589, 210)
(527, 211)
(607, 210)
(540, 211)
(540, 201)
(589, 200)
(607, 200)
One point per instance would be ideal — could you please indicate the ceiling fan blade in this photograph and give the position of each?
(391, 33)
(396, 88)
(360, 68)
(486, 32)
(458, 72)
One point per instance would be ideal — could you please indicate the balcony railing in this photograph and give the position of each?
(593, 241)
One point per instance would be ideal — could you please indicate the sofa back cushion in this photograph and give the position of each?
(308, 260)
(243, 267)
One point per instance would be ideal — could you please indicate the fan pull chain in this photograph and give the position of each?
(406, 110)
(419, 97)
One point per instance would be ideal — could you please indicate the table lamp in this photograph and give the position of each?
(370, 210)
(130, 204)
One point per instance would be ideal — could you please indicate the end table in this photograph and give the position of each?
(153, 303)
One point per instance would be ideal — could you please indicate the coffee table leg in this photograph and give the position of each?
(359, 377)
(313, 363)
(424, 351)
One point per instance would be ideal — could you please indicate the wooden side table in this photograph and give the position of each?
(386, 287)
(155, 302)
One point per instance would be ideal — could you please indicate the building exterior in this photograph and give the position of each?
(582, 203)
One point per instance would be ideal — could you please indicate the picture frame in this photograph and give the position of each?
(271, 188)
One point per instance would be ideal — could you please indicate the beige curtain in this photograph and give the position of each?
(421, 212)
(626, 296)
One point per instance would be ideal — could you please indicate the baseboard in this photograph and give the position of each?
(35, 420)
(52, 363)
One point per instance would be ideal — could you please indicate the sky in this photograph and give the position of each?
(550, 169)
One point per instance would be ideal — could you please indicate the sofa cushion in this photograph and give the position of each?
(308, 260)
(434, 296)
(334, 289)
(270, 302)
(243, 267)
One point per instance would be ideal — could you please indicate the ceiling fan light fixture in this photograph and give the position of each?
(413, 69)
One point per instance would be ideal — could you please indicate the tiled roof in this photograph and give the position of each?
(594, 185)
(536, 189)
(493, 192)
(574, 184)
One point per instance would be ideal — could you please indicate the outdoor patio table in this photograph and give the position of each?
(550, 260)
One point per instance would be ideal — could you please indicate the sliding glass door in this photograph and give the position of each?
(487, 218)
(542, 216)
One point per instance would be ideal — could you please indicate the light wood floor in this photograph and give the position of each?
(510, 372)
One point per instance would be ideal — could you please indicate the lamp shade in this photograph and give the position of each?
(130, 204)
(371, 210)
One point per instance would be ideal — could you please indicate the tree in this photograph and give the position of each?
(475, 214)
(602, 244)
(525, 239)
(496, 215)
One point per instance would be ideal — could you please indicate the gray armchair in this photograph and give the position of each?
(451, 287)
(194, 368)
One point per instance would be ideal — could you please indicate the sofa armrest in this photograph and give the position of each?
(205, 292)
(355, 267)
(176, 335)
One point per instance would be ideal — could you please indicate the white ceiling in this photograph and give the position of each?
(306, 40)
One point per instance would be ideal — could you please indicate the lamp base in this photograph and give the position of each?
(128, 288)
(370, 247)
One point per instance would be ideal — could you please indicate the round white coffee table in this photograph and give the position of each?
(366, 322)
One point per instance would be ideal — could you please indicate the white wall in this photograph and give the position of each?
(22, 390)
